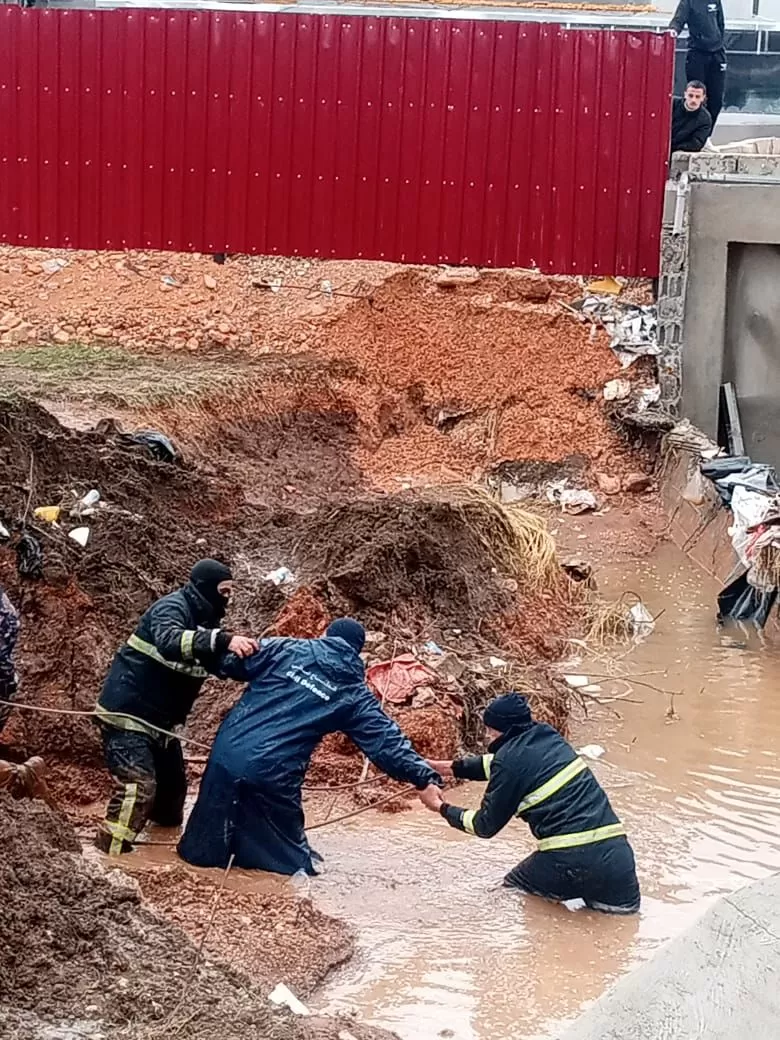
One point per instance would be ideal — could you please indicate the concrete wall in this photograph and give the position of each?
(692, 305)
(717, 981)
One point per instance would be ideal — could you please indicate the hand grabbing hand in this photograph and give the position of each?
(243, 646)
(442, 766)
(431, 797)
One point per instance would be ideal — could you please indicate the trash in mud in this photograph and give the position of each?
(158, 445)
(5, 534)
(29, 557)
(396, 681)
(633, 328)
(576, 681)
(281, 576)
(571, 500)
(282, 996)
(80, 536)
(592, 751)
(49, 514)
(641, 621)
(617, 390)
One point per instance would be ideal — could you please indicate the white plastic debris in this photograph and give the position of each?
(571, 500)
(633, 329)
(281, 576)
(284, 997)
(497, 662)
(80, 535)
(576, 681)
(648, 396)
(574, 904)
(617, 390)
(5, 534)
(592, 751)
(641, 621)
(591, 688)
(54, 266)
(90, 499)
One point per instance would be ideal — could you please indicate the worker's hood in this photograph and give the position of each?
(338, 660)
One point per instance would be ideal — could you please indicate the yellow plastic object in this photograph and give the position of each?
(605, 286)
(50, 514)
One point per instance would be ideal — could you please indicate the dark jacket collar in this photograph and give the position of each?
(203, 611)
(510, 734)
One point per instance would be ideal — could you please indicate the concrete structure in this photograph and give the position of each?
(719, 308)
(717, 981)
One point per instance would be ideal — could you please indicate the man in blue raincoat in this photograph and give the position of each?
(249, 805)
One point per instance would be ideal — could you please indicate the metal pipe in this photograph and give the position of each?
(679, 206)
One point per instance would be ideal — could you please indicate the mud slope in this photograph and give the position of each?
(80, 949)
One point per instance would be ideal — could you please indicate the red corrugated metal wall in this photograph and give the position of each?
(489, 143)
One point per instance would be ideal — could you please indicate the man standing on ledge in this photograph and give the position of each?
(155, 678)
(691, 122)
(533, 773)
(706, 57)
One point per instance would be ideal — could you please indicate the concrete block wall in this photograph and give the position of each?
(673, 337)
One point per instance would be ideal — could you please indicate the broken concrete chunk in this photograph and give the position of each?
(452, 277)
(608, 484)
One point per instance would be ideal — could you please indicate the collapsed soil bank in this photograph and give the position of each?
(81, 951)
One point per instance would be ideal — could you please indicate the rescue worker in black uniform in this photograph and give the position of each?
(155, 678)
(533, 773)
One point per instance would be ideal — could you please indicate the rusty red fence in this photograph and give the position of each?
(502, 143)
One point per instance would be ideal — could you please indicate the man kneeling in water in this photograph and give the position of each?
(533, 773)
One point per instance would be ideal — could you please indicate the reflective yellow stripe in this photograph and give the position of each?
(121, 722)
(487, 762)
(468, 821)
(187, 643)
(120, 830)
(570, 841)
(552, 786)
(151, 651)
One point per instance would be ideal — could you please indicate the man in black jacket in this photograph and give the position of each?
(706, 57)
(691, 122)
(151, 687)
(533, 773)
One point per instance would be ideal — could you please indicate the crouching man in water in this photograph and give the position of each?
(155, 677)
(533, 773)
(249, 805)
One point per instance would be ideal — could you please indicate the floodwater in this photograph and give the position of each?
(444, 951)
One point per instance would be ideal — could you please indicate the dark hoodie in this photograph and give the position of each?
(690, 130)
(705, 21)
(160, 670)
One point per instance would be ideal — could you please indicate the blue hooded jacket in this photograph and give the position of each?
(249, 804)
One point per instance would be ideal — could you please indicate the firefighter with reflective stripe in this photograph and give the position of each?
(533, 773)
(155, 677)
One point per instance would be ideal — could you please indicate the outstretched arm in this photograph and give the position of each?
(499, 804)
(382, 741)
(176, 640)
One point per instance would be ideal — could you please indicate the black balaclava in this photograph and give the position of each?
(350, 631)
(205, 576)
(508, 712)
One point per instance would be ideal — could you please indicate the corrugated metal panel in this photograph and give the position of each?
(442, 140)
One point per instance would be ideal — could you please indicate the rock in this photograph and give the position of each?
(636, 483)
(210, 282)
(424, 697)
(534, 288)
(481, 303)
(224, 328)
(193, 343)
(103, 332)
(452, 277)
(21, 333)
(608, 484)
(9, 321)
(61, 337)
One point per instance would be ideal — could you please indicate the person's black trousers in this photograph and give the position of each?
(710, 68)
(150, 784)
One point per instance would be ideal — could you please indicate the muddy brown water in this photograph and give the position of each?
(444, 951)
